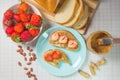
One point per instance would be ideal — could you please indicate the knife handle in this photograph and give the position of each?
(116, 40)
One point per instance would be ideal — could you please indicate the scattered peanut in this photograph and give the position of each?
(28, 48)
(93, 65)
(25, 68)
(31, 58)
(31, 69)
(28, 63)
(25, 59)
(103, 61)
(84, 74)
(19, 46)
(19, 63)
(92, 70)
(24, 54)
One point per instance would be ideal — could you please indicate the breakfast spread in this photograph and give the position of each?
(54, 57)
(63, 39)
(21, 23)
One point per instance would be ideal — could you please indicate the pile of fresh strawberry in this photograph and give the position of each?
(21, 23)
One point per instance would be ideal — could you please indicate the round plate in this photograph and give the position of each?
(77, 58)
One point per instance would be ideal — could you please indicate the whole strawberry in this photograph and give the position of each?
(35, 20)
(34, 32)
(15, 37)
(9, 30)
(16, 17)
(17, 11)
(19, 27)
(7, 22)
(24, 17)
(8, 14)
(26, 36)
(24, 6)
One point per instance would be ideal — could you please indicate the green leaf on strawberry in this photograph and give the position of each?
(15, 11)
(30, 26)
(15, 37)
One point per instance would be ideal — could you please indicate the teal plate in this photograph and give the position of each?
(77, 58)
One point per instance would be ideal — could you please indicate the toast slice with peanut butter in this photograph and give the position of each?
(56, 56)
(63, 39)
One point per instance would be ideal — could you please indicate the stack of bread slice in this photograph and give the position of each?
(69, 13)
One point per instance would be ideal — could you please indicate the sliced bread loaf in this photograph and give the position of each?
(77, 15)
(82, 21)
(66, 12)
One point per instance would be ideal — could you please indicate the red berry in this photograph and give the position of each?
(8, 14)
(16, 17)
(26, 36)
(48, 57)
(9, 30)
(7, 22)
(35, 20)
(56, 55)
(15, 37)
(24, 6)
(25, 17)
(34, 32)
(19, 27)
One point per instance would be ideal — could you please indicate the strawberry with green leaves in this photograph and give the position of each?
(7, 22)
(24, 6)
(36, 20)
(26, 36)
(24, 17)
(9, 30)
(8, 14)
(15, 37)
(16, 17)
(33, 30)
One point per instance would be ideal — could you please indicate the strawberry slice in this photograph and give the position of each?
(48, 57)
(56, 55)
